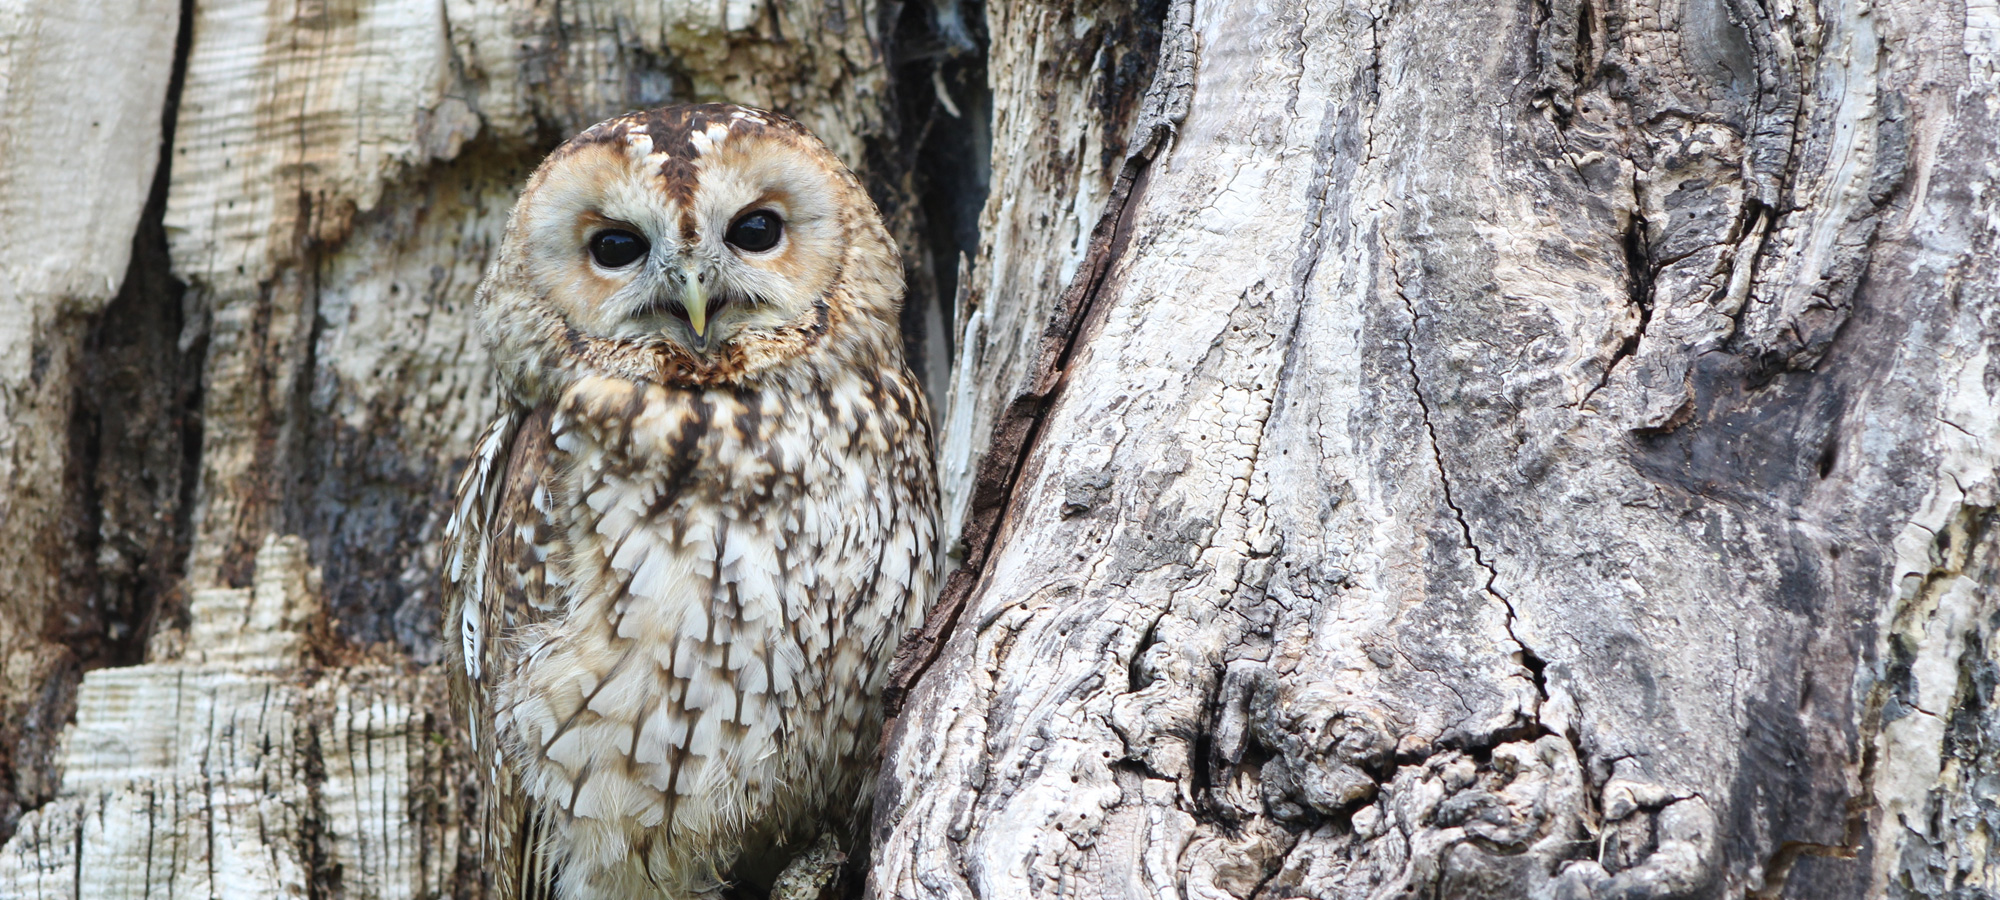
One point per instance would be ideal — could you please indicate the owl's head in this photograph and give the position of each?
(689, 243)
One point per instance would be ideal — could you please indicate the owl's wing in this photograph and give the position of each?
(497, 580)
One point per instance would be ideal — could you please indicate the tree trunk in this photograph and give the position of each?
(1482, 450)
(1533, 449)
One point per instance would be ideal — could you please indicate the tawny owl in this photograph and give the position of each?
(681, 559)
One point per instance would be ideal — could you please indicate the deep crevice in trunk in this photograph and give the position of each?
(934, 158)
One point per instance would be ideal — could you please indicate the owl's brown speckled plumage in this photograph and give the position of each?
(680, 560)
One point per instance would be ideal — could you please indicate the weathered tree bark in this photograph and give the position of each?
(1529, 449)
(1483, 450)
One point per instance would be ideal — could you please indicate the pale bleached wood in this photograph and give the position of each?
(1055, 72)
(234, 773)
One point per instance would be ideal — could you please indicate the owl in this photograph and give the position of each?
(679, 562)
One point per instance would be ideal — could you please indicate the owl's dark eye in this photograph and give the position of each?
(617, 249)
(756, 232)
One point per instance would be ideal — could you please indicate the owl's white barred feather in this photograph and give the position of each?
(680, 561)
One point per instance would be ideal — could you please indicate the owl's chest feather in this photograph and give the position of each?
(766, 506)
(733, 571)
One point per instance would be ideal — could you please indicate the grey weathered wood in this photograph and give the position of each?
(1524, 449)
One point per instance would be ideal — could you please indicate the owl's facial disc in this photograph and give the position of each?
(729, 233)
(701, 301)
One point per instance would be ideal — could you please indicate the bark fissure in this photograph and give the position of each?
(1641, 271)
(1778, 868)
(1529, 660)
(76, 868)
(1014, 439)
(149, 282)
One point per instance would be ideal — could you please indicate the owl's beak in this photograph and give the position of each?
(694, 299)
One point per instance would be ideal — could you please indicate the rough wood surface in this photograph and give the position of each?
(1518, 450)
(234, 773)
(1020, 317)
(1083, 66)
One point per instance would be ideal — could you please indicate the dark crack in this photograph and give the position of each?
(1529, 659)
(1641, 271)
(1778, 868)
(131, 446)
